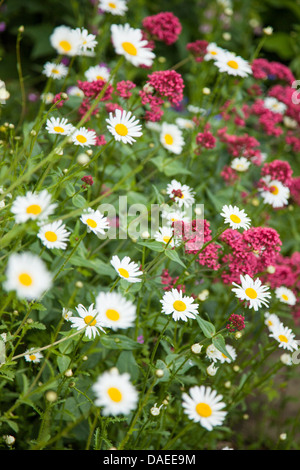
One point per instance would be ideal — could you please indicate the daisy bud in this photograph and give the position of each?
(238, 335)
(155, 411)
(271, 269)
(15, 312)
(21, 29)
(245, 416)
(151, 145)
(11, 126)
(226, 36)
(69, 373)
(255, 202)
(64, 96)
(268, 31)
(228, 11)
(165, 402)
(196, 348)
(33, 132)
(161, 60)
(85, 358)
(203, 295)
(211, 370)
(206, 91)
(159, 373)
(236, 368)
(9, 440)
(83, 159)
(198, 211)
(29, 321)
(145, 234)
(51, 396)
(89, 152)
(79, 284)
(283, 436)
(286, 359)
(227, 384)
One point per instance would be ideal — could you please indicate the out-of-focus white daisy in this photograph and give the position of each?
(123, 126)
(83, 137)
(66, 313)
(28, 275)
(32, 206)
(276, 193)
(4, 94)
(171, 138)
(274, 105)
(88, 319)
(47, 97)
(232, 353)
(240, 164)
(115, 7)
(95, 221)
(58, 126)
(252, 291)
(182, 194)
(204, 406)
(165, 234)
(235, 217)
(56, 71)
(97, 72)
(115, 311)
(65, 41)
(284, 336)
(185, 123)
(33, 356)
(129, 42)
(115, 393)
(232, 64)
(286, 359)
(173, 215)
(180, 306)
(126, 268)
(271, 320)
(54, 235)
(86, 40)
(285, 295)
(213, 51)
(213, 353)
(75, 91)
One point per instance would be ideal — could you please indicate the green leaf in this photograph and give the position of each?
(173, 255)
(219, 343)
(119, 342)
(152, 245)
(78, 201)
(207, 328)
(127, 363)
(63, 363)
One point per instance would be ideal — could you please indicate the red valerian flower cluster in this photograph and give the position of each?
(235, 323)
(198, 49)
(91, 90)
(164, 26)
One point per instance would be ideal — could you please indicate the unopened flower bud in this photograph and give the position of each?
(9, 440)
(211, 370)
(227, 384)
(159, 373)
(283, 436)
(268, 31)
(196, 348)
(51, 396)
(69, 373)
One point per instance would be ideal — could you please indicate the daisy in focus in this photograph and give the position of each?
(129, 42)
(27, 275)
(275, 193)
(252, 291)
(284, 336)
(204, 406)
(115, 7)
(95, 221)
(55, 71)
(126, 268)
(65, 41)
(115, 393)
(123, 126)
(285, 295)
(58, 126)
(33, 356)
(240, 164)
(180, 306)
(115, 311)
(235, 217)
(271, 320)
(97, 72)
(233, 65)
(32, 206)
(54, 235)
(171, 138)
(83, 137)
(165, 235)
(182, 194)
(88, 319)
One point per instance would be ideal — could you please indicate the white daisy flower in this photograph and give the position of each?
(213, 51)
(27, 275)
(56, 71)
(171, 138)
(129, 42)
(58, 126)
(286, 359)
(66, 314)
(115, 7)
(252, 291)
(54, 235)
(232, 64)
(284, 336)
(123, 126)
(95, 221)
(271, 320)
(75, 91)
(88, 319)
(97, 72)
(276, 195)
(232, 353)
(4, 94)
(203, 405)
(47, 98)
(65, 41)
(185, 123)
(213, 353)
(274, 105)
(173, 215)
(32, 206)
(235, 217)
(86, 40)
(240, 164)
(285, 295)
(33, 356)
(165, 234)
(83, 137)
(180, 306)
(115, 311)
(126, 268)
(182, 194)
(115, 393)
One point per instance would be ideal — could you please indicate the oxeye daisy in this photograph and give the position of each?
(173, 215)
(126, 268)
(129, 42)
(87, 41)
(235, 217)
(75, 91)
(115, 7)
(88, 319)
(66, 314)
(171, 138)
(182, 194)
(185, 123)
(97, 72)
(232, 64)
(115, 393)
(240, 164)
(213, 51)
(213, 353)
(123, 126)
(285, 295)
(65, 41)
(27, 275)
(232, 353)
(83, 137)
(54, 235)
(56, 71)
(274, 105)
(180, 306)
(58, 126)
(203, 405)
(252, 291)
(271, 320)
(32, 206)
(32, 356)
(115, 311)
(165, 235)
(275, 194)
(284, 336)
(47, 98)
(95, 221)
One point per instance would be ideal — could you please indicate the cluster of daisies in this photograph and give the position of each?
(227, 62)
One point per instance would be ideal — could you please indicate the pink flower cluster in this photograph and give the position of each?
(241, 146)
(123, 88)
(198, 49)
(263, 69)
(267, 118)
(235, 323)
(169, 282)
(91, 90)
(205, 140)
(278, 170)
(164, 26)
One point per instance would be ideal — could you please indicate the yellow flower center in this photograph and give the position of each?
(114, 394)
(179, 306)
(274, 190)
(32, 357)
(121, 129)
(129, 48)
(203, 410)
(88, 319)
(58, 129)
(213, 52)
(283, 338)
(55, 71)
(270, 323)
(34, 209)
(25, 279)
(166, 239)
(233, 64)
(81, 138)
(100, 78)
(123, 272)
(251, 293)
(91, 223)
(65, 45)
(50, 236)
(112, 5)
(112, 314)
(285, 297)
(235, 219)
(169, 139)
(225, 357)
